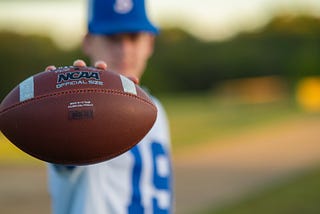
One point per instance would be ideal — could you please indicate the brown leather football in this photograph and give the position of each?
(76, 115)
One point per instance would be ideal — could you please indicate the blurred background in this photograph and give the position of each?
(240, 81)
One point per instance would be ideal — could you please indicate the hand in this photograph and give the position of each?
(99, 64)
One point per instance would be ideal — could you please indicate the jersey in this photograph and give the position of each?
(138, 181)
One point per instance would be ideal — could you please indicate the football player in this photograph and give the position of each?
(140, 180)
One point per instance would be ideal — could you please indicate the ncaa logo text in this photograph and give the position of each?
(77, 76)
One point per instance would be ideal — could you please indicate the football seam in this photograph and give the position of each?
(78, 91)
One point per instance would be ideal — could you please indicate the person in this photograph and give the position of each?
(140, 180)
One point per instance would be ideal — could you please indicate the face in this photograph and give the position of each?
(126, 54)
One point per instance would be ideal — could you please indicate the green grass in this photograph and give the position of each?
(195, 119)
(298, 196)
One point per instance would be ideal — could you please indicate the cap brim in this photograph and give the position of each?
(116, 28)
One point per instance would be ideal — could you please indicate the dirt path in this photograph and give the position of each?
(23, 190)
(218, 174)
(208, 176)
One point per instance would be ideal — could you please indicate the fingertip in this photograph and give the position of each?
(50, 68)
(101, 65)
(134, 79)
(79, 63)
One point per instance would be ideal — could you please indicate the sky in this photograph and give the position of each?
(64, 20)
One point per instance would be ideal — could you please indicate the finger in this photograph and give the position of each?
(134, 79)
(101, 65)
(79, 63)
(50, 68)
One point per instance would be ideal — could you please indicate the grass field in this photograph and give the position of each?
(196, 119)
(213, 119)
(296, 196)
(199, 119)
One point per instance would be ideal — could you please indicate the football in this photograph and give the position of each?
(76, 115)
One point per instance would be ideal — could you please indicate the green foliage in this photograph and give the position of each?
(22, 56)
(299, 195)
(288, 47)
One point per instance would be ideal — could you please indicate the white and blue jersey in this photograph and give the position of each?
(138, 181)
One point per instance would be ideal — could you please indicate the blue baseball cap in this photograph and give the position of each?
(118, 16)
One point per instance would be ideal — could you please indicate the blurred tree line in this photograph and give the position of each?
(288, 46)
